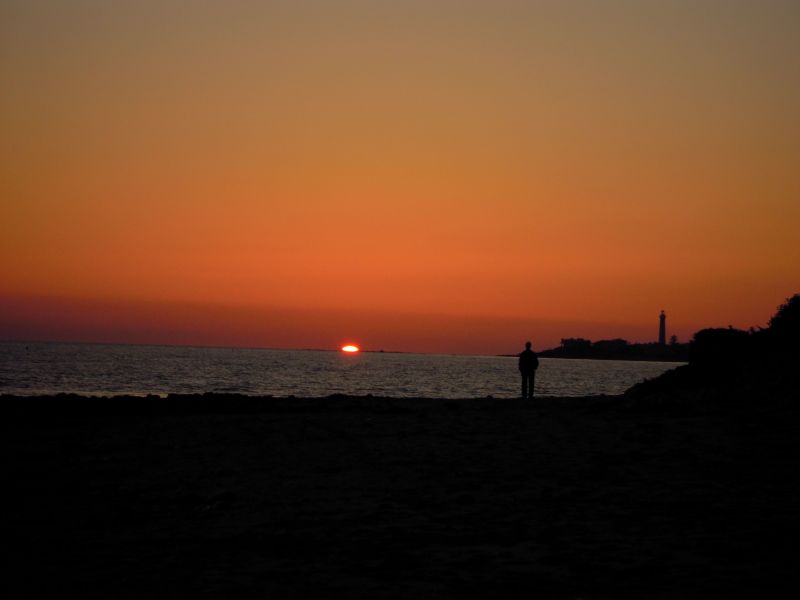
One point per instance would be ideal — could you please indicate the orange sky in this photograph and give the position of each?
(431, 176)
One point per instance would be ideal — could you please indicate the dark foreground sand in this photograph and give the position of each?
(379, 498)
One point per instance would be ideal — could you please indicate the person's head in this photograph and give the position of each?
(527, 345)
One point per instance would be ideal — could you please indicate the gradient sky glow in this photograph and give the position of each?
(431, 176)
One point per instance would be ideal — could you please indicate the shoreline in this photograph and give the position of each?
(211, 403)
(237, 496)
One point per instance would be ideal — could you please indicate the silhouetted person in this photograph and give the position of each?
(528, 363)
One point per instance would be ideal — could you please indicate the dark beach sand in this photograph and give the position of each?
(376, 498)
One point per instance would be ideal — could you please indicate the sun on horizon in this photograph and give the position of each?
(350, 349)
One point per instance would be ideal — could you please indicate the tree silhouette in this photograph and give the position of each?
(787, 320)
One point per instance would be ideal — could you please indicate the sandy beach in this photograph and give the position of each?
(381, 498)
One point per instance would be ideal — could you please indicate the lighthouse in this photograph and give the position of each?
(662, 328)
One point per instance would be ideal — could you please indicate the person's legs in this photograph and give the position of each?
(527, 385)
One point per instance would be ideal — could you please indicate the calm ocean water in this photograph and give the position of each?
(96, 369)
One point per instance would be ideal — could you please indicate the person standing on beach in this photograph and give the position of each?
(528, 363)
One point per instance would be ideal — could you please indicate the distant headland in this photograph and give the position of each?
(619, 349)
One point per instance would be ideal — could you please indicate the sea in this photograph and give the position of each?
(114, 369)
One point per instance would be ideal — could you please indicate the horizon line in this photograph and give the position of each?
(284, 349)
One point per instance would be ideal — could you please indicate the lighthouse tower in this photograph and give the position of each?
(662, 328)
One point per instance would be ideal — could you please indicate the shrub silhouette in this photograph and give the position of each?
(720, 349)
(785, 325)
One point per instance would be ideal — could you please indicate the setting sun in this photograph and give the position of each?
(350, 348)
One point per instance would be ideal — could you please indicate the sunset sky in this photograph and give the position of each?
(424, 176)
